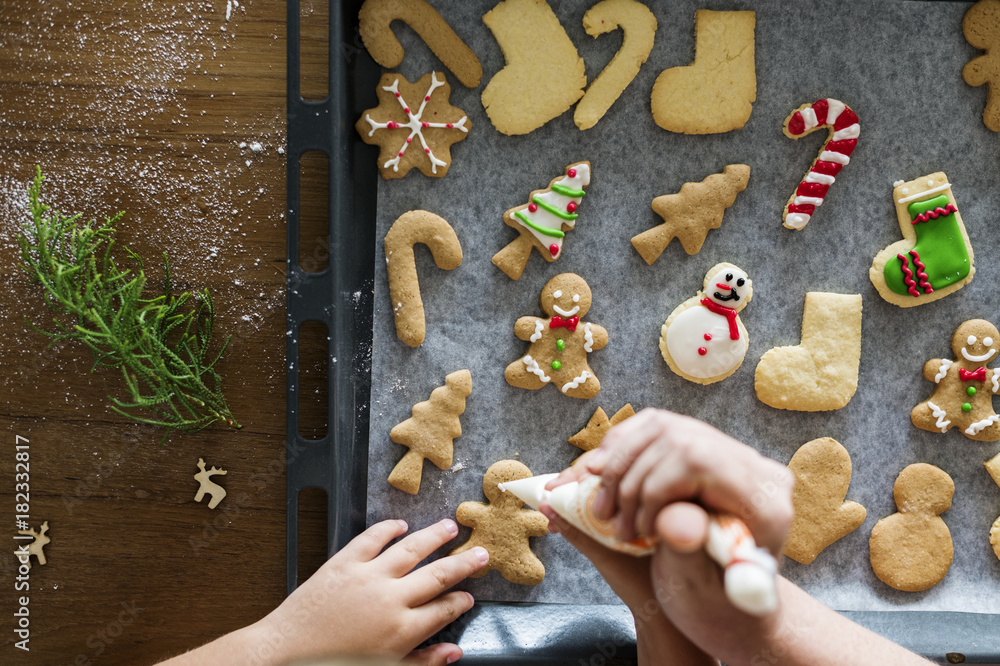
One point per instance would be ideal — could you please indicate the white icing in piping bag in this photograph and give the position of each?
(750, 570)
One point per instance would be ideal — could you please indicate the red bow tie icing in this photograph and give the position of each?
(570, 325)
(729, 314)
(978, 375)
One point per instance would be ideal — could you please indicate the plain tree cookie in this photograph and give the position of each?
(964, 387)
(503, 528)
(559, 345)
(912, 550)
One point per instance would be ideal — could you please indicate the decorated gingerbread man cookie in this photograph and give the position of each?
(963, 395)
(502, 527)
(703, 339)
(559, 344)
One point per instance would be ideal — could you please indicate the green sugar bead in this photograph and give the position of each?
(561, 344)
(971, 390)
(556, 365)
(966, 407)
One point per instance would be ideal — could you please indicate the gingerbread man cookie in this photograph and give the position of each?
(981, 27)
(502, 527)
(912, 550)
(559, 344)
(963, 395)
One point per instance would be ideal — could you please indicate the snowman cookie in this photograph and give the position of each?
(559, 344)
(703, 339)
(963, 395)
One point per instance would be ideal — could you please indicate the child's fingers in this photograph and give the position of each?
(438, 654)
(434, 616)
(367, 545)
(436, 578)
(401, 557)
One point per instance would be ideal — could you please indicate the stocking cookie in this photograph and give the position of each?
(964, 387)
(503, 528)
(822, 470)
(821, 372)
(912, 550)
(703, 339)
(597, 427)
(981, 27)
(542, 223)
(413, 136)
(934, 258)
(993, 467)
(559, 344)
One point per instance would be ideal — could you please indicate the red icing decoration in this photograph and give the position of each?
(449, 125)
(406, 110)
(728, 313)
(808, 209)
(571, 207)
(708, 336)
(425, 124)
(427, 150)
(397, 94)
(846, 118)
(925, 283)
(821, 107)
(571, 173)
(978, 375)
(829, 168)
(427, 99)
(553, 250)
(844, 147)
(391, 125)
(532, 207)
(723, 285)
(796, 125)
(935, 214)
(702, 351)
(812, 189)
(911, 285)
(568, 324)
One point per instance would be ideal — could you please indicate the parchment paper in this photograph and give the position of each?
(898, 64)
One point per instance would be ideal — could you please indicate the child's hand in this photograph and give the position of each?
(365, 601)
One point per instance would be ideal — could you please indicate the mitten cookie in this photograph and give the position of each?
(822, 470)
(934, 258)
(430, 432)
(597, 427)
(502, 527)
(703, 339)
(963, 395)
(413, 136)
(559, 344)
(912, 550)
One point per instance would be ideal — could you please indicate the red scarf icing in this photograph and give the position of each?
(728, 313)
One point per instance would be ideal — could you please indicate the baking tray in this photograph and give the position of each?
(337, 463)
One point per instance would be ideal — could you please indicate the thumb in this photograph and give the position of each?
(681, 567)
(438, 654)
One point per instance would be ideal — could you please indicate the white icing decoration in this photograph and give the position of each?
(971, 340)
(988, 341)
(557, 293)
(566, 313)
(996, 381)
(836, 108)
(817, 177)
(588, 340)
(809, 116)
(898, 183)
(815, 201)
(849, 132)
(979, 426)
(415, 124)
(576, 298)
(924, 193)
(534, 369)
(797, 220)
(539, 325)
(978, 359)
(686, 334)
(929, 183)
(544, 218)
(576, 381)
(720, 278)
(839, 158)
(943, 372)
(939, 414)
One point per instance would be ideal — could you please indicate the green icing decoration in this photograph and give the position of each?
(971, 390)
(556, 365)
(560, 344)
(941, 247)
(567, 191)
(966, 407)
(561, 214)
(545, 231)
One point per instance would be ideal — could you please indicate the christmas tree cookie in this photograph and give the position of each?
(934, 258)
(703, 339)
(542, 223)
(559, 344)
(964, 387)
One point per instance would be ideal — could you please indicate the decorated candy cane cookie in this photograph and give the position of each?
(835, 154)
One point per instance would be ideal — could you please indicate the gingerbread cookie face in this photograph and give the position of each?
(703, 339)
(964, 386)
(559, 345)
(503, 528)
(414, 125)
(912, 550)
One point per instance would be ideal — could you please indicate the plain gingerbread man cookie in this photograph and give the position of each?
(560, 343)
(502, 527)
(912, 550)
(964, 387)
(981, 26)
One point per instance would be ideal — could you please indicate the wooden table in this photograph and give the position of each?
(175, 114)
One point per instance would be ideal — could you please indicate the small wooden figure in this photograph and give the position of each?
(208, 486)
(36, 546)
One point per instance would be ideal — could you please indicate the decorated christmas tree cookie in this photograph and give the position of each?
(704, 340)
(542, 223)
(934, 258)
(964, 387)
(560, 343)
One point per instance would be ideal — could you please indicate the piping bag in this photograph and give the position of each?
(750, 570)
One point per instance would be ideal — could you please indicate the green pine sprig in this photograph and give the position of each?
(160, 344)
